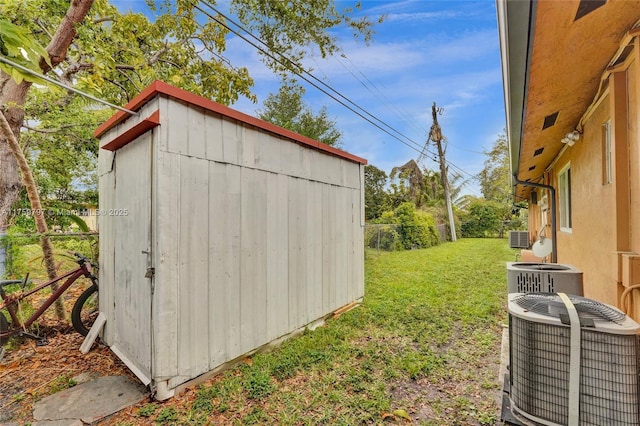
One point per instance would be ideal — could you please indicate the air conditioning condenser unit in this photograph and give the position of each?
(519, 239)
(573, 368)
(529, 277)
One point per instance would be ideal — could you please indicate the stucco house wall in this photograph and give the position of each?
(565, 70)
(605, 215)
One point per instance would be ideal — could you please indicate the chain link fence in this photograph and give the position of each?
(22, 253)
(393, 236)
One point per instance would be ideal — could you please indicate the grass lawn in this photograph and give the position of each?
(424, 346)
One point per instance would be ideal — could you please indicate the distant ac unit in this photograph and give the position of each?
(593, 382)
(529, 277)
(519, 239)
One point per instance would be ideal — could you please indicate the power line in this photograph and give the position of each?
(64, 86)
(412, 144)
(291, 65)
(403, 115)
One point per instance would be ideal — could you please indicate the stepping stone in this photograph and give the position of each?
(89, 401)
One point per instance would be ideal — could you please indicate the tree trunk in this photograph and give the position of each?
(36, 206)
(10, 184)
(12, 160)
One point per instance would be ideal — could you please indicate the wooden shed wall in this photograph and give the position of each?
(254, 237)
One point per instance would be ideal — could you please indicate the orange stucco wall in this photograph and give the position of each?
(633, 75)
(589, 245)
(605, 216)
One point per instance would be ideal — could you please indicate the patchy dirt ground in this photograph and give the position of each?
(29, 372)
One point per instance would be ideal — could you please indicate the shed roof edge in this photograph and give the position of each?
(162, 88)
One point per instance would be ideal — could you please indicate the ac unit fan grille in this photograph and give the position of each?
(551, 305)
(539, 369)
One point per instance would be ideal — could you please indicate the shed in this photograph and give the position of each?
(219, 234)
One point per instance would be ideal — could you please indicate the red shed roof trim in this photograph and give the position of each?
(159, 87)
(131, 134)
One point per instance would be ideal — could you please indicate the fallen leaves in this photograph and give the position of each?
(27, 371)
(396, 415)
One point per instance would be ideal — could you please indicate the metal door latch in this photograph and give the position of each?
(150, 273)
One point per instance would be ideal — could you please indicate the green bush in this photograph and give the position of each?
(417, 228)
(413, 229)
(482, 219)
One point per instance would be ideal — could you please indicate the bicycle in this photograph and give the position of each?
(84, 312)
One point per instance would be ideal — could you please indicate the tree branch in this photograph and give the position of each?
(49, 131)
(124, 89)
(58, 46)
(44, 29)
(101, 20)
(156, 56)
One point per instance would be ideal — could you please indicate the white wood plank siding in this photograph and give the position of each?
(224, 260)
(259, 255)
(106, 188)
(193, 264)
(314, 252)
(242, 145)
(166, 192)
(277, 256)
(253, 259)
(132, 301)
(253, 237)
(329, 252)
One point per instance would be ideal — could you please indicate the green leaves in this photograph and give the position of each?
(287, 109)
(297, 28)
(115, 53)
(495, 177)
(18, 45)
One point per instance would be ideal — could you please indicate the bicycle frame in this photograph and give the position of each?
(11, 301)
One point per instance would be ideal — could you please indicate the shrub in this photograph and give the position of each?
(482, 219)
(415, 229)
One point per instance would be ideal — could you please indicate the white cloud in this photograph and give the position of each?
(455, 62)
(420, 16)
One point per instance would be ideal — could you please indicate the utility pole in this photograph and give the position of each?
(436, 136)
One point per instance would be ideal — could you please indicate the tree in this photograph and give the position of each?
(375, 195)
(495, 178)
(481, 219)
(114, 55)
(287, 109)
(410, 183)
(91, 45)
(13, 90)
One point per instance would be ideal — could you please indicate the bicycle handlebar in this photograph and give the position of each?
(81, 259)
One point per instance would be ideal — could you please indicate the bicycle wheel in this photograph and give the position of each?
(85, 310)
(4, 327)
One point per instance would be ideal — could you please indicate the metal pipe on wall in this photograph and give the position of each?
(552, 191)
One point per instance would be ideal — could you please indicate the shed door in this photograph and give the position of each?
(132, 299)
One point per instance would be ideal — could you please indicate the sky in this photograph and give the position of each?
(425, 51)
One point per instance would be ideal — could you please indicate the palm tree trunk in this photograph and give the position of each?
(36, 206)
(12, 100)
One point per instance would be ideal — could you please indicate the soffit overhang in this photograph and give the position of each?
(553, 61)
